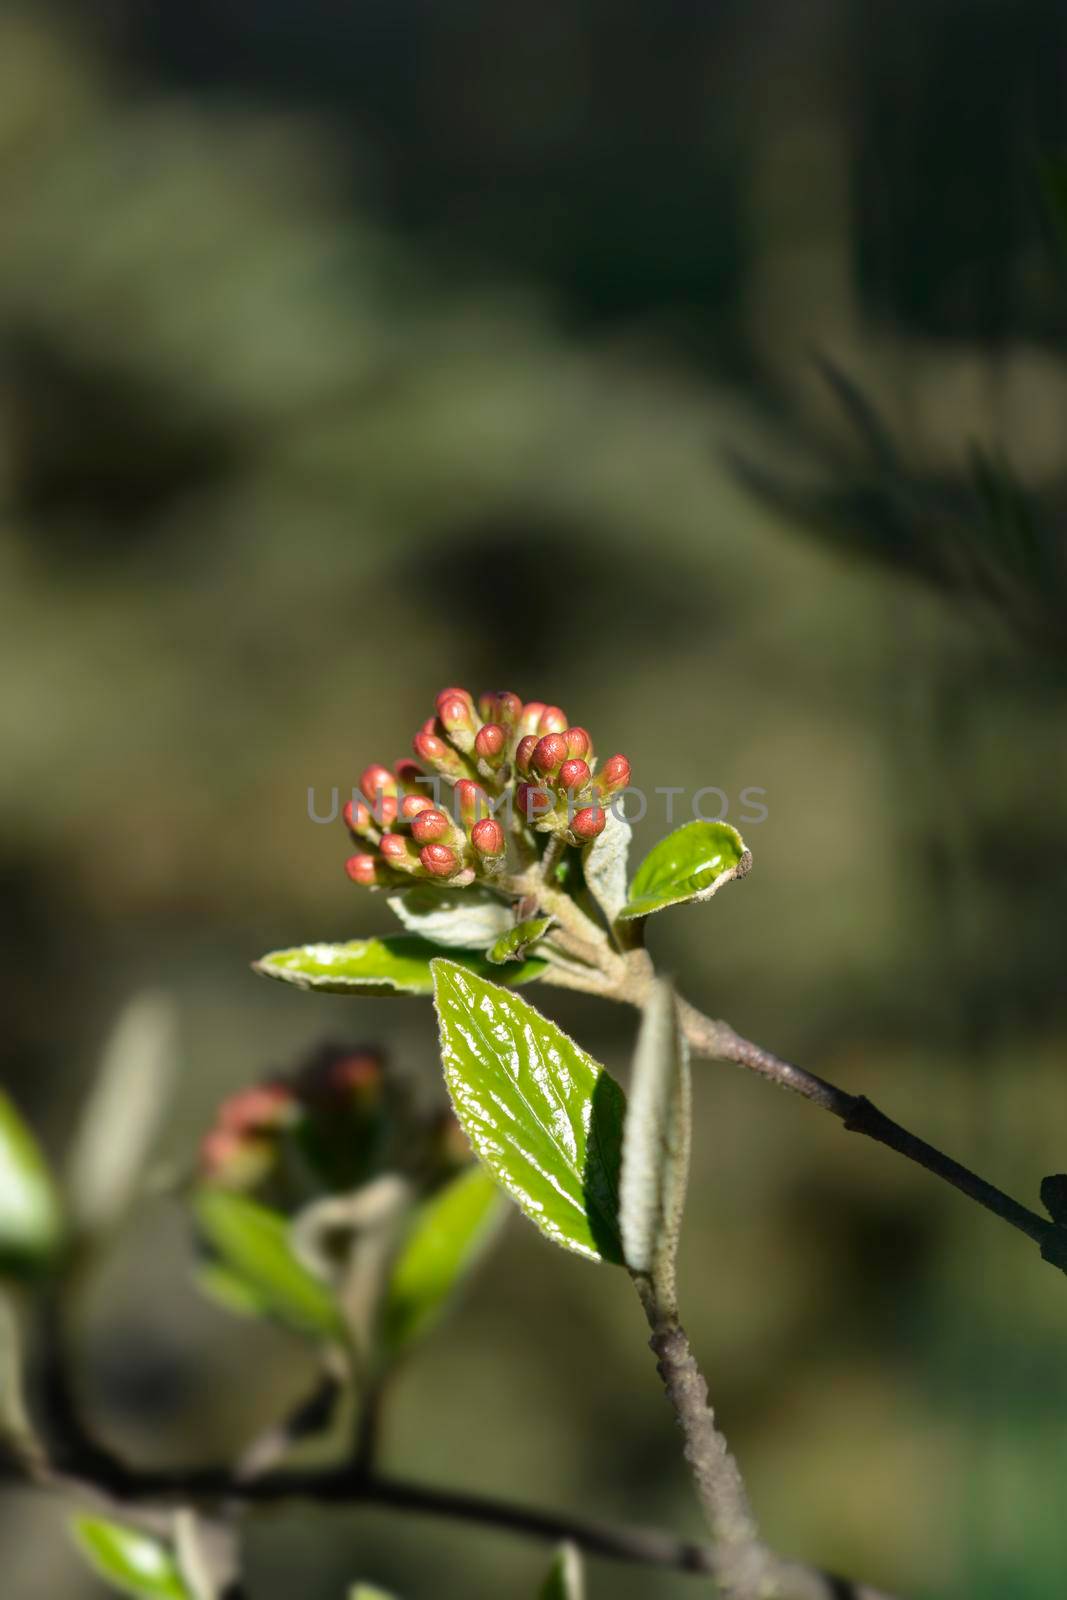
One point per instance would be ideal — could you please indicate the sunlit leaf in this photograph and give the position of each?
(129, 1561)
(655, 1151)
(31, 1224)
(459, 919)
(691, 863)
(513, 945)
(448, 1234)
(542, 1114)
(399, 964)
(253, 1245)
(368, 1591)
(566, 1580)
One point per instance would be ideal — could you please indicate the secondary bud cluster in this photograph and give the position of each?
(480, 771)
(330, 1125)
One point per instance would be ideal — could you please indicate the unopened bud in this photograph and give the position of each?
(553, 720)
(613, 775)
(489, 742)
(573, 775)
(549, 753)
(412, 804)
(487, 837)
(430, 826)
(589, 823)
(235, 1160)
(377, 780)
(531, 716)
(524, 750)
(455, 709)
(501, 706)
(439, 859)
(358, 819)
(398, 852)
(578, 742)
(438, 755)
(263, 1106)
(470, 802)
(364, 869)
(533, 801)
(411, 779)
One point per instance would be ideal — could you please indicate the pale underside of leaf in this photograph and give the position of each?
(542, 1114)
(458, 919)
(655, 1159)
(604, 865)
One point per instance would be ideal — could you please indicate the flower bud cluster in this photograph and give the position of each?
(480, 771)
(330, 1125)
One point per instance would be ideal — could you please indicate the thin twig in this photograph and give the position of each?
(720, 1042)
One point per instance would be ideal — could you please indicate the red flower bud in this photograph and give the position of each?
(377, 780)
(588, 823)
(549, 753)
(438, 755)
(411, 778)
(363, 869)
(489, 742)
(533, 802)
(553, 720)
(487, 837)
(429, 826)
(439, 859)
(470, 801)
(501, 706)
(578, 742)
(397, 851)
(573, 775)
(357, 818)
(524, 750)
(531, 716)
(453, 694)
(412, 804)
(613, 775)
(237, 1160)
(264, 1105)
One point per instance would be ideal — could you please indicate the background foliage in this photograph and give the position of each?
(347, 351)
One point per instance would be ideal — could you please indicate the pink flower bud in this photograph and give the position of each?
(235, 1160)
(430, 826)
(438, 755)
(533, 802)
(398, 851)
(470, 801)
(524, 750)
(487, 837)
(377, 780)
(573, 775)
(549, 753)
(447, 695)
(264, 1105)
(455, 710)
(358, 819)
(501, 706)
(439, 860)
(412, 804)
(411, 778)
(489, 742)
(531, 716)
(363, 869)
(588, 823)
(613, 775)
(553, 720)
(578, 742)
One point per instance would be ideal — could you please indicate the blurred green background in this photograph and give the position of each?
(353, 350)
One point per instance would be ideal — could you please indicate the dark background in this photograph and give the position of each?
(350, 350)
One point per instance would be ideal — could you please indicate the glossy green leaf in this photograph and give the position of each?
(31, 1224)
(655, 1150)
(513, 945)
(566, 1578)
(459, 919)
(130, 1561)
(691, 863)
(252, 1243)
(399, 964)
(543, 1116)
(448, 1234)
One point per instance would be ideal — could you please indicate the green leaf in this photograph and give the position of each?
(655, 1148)
(691, 863)
(566, 1580)
(449, 1233)
(253, 1245)
(513, 945)
(368, 1591)
(399, 964)
(459, 919)
(130, 1562)
(31, 1224)
(543, 1116)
